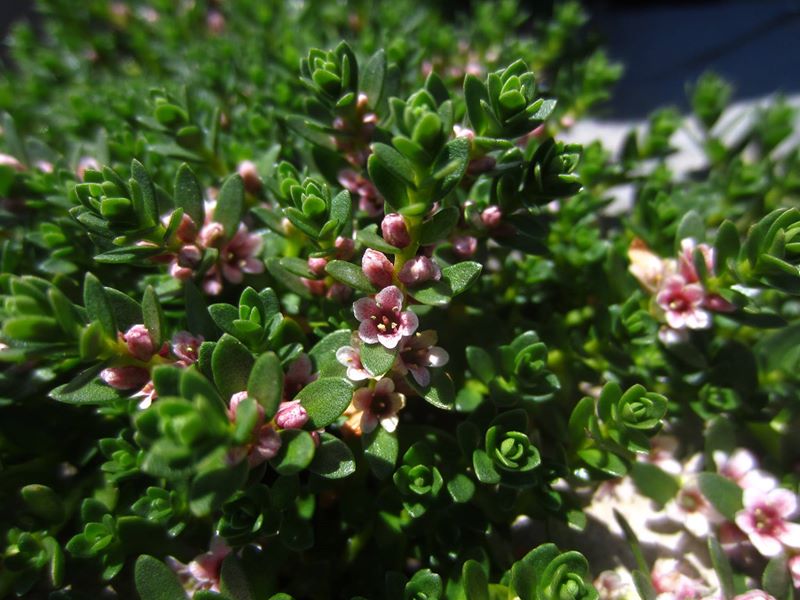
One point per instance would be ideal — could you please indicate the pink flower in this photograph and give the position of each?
(794, 569)
(125, 378)
(379, 406)
(298, 376)
(186, 347)
(6, 160)
(754, 595)
(338, 292)
(491, 217)
(418, 270)
(237, 256)
(265, 441)
(233, 407)
(663, 449)
(378, 269)
(742, 468)
(682, 304)
(140, 343)
(203, 573)
(464, 132)
(419, 352)
(147, 394)
(351, 358)
(686, 259)
(317, 287)
(370, 201)
(291, 415)
(345, 248)
(249, 173)
(691, 509)
(382, 318)
(465, 245)
(86, 163)
(648, 268)
(764, 519)
(395, 231)
(671, 583)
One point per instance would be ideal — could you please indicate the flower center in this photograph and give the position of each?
(387, 321)
(380, 405)
(765, 519)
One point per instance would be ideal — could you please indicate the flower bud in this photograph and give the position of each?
(317, 265)
(187, 229)
(491, 217)
(186, 347)
(338, 292)
(249, 174)
(125, 378)
(140, 343)
(395, 231)
(419, 270)
(345, 248)
(465, 246)
(464, 132)
(291, 415)
(377, 268)
(86, 163)
(215, 22)
(189, 256)
(210, 233)
(6, 160)
(315, 286)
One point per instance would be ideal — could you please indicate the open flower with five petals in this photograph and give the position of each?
(383, 319)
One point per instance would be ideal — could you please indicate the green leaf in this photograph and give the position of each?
(32, 328)
(148, 211)
(474, 580)
(691, 226)
(289, 280)
(723, 494)
(197, 318)
(474, 92)
(93, 392)
(153, 316)
(380, 449)
(722, 567)
(211, 489)
(604, 461)
(189, 195)
(230, 205)
(484, 467)
(439, 226)
(265, 383)
(461, 488)
(231, 364)
(395, 163)
(450, 167)
(193, 383)
(653, 482)
(325, 400)
(98, 307)
(441, 391)
(633, 541)
(296, 453)
(156, 581)
(378, 359)
(424, 584)
(43, 502)
(323, 354)
(391, 188)
(480, 363)
(349, 274)
(455, 280)
(643, 585)
(333, 459)
(369, 237)
(373, 76)
(726, 246)
(777, 580)
(233, 579)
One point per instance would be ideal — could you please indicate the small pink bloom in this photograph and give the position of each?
(663, 449)
(44, 166)
(686, 259)
(682, 304)
(189, 257)
(338, 292)
(764, 519)
(351, 358)
(672, 583)
(418, 353)
(6, 160)
(742, 468)
(147, 394)
(378, 269)
(379, 406)
(491, 217)
(125, 378)
(691, 509)
(233, 407)
(187, 229)
(317, 287)
(395, 231)
(266, 447)
(215, 22)
(464, 132)
(86, 163)
(139, 342)
(238, 255)
(382, 318)
(465, 246)
(648, 268)
(345, 248)
(203, 573)
(717, 303)
(754, 595)
(291, 415)
(186, 347)
(211, 233)
(317, 266)
(794, 569)
(419, 270)
(249, 173)
(298, 376)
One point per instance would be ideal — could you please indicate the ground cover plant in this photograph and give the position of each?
(312, 300)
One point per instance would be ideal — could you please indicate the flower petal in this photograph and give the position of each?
(368, 332)
(365, 308)
(390, 298)
(437, 357)
(421, 375)
(408, 323)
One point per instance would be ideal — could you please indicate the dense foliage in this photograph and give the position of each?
(290, 316)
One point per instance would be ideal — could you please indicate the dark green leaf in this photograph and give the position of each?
(333, 459)
(380, 450)
(378, 359)
(296, 453)
(156, 581)
(153, 316)
(439, 226)
(325, 400)
(230, 205)
(231, 363)
(265, 383)
(189, 195)
(98, 307)
(723, 494)
(455, 280)
(350, 274)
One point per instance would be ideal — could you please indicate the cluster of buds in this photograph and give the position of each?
(237, 254)
(140, 349)
(322, 285)
(369, 199)
(682, 301)
(355, 133)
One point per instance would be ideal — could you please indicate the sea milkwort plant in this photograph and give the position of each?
(355, 321)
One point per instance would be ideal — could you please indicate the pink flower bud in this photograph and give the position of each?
(315, 286)
(211, 233)
(419, 270)
(139, 342)
(86, 163)
(377, 268)
(317, 265)
(187, 229)
(44, 166)
(125, 378)
(491, 216)
(362, 102)
(464, 132)
(291, 415)
(395, 231)
(233, 407)
(465, 246)
(6, 160)
(189, 256)
(249, 174)
(338, 292)
(215, 22)
(345, 248)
